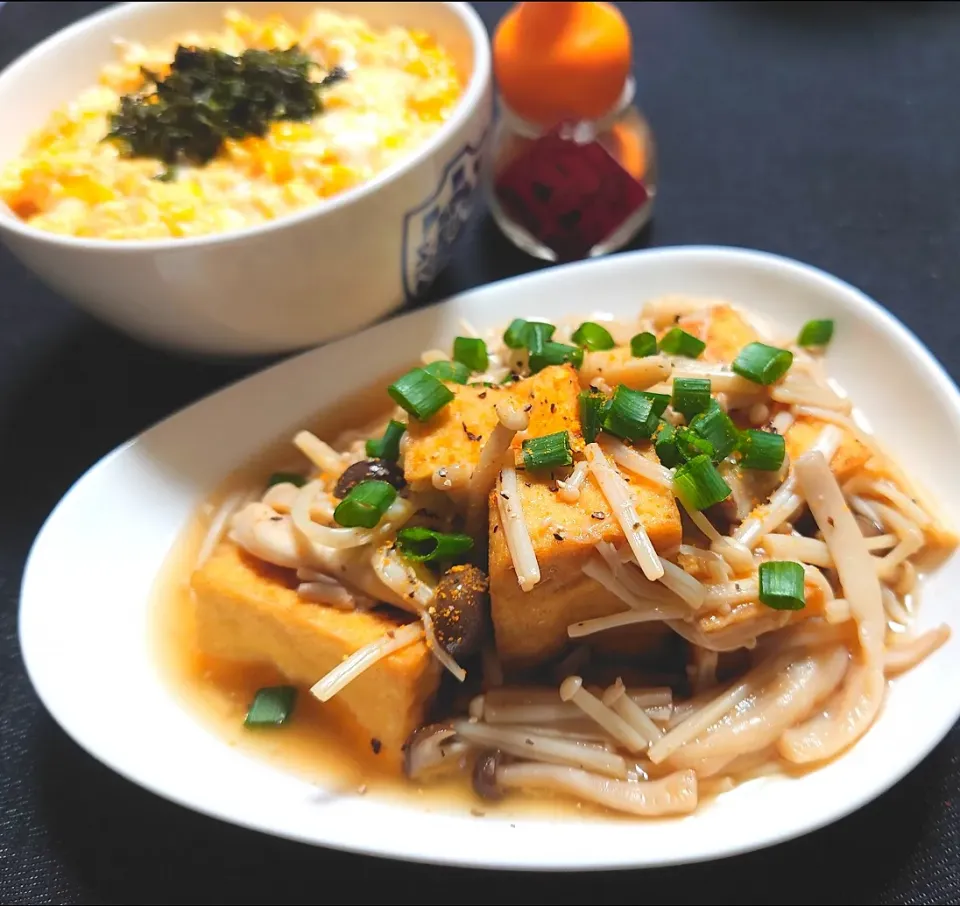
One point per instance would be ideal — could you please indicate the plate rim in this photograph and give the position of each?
(616, 861)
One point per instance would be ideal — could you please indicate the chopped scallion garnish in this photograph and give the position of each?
(271, 706)
(690, 444)
(593, 336)
(691, 396)
(762, 364)
(514, 337)
(423, 545)
(455, 372)
(677, 341)
(665, 443)
(642, 345)
(536, 335)
(699, 485)
(555, 354)
(592, 408)
(420, 393)
(548, 452)
(762, 450)
(660, 401)
(472, 352)
(286, 478)
(718, 428)
(632, 414)
(388, 446)
(782, 586)
(816, 333)
(365, 505)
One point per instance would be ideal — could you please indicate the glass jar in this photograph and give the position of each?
(577, 190)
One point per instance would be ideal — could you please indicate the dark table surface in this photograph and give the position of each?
(826, 132)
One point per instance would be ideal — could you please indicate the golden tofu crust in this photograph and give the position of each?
(249, 611)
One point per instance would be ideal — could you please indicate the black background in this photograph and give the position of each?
(828, 132)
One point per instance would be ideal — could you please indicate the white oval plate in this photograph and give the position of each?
(84, 607)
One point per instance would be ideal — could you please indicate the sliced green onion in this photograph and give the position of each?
(816, 333)
(699, 485)
(642, 345)
(717, 427)
(271, 706)
(781, 585)
(677, 341)
(660, 401)
(388, 446)
(593, 336)
(665, 443)
(690, 444)
(536, 335)
(762, 364)
(547, 452)
(514, 336)
(420, 394)
(286, 478)
(691, 396)
(455, 372)
(472, 352)
(592, 409)
(365, 505)
(555, 354)
(423, 545)
(762, 450)
(482, 384)
(632, 414)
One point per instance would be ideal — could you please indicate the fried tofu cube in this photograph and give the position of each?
(249, 611)
(723, 329)
(532, 626)
(851, 455)
(455, 435)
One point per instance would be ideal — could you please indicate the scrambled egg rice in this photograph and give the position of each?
(401, 87)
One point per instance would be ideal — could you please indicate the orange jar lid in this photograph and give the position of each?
(562, 61)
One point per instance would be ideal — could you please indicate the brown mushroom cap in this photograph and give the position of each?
(369, 470)
(485, 774)
(426, 748)
(460, 609)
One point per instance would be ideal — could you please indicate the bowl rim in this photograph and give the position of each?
(469, 101)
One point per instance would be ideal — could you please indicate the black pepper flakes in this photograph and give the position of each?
(598, 514)
(376, 745)
(528, 407)
(504, 496)
(553, 408)
(482, 395)
(496, 529)
(830, 521)
(470, 435)
(557, 536)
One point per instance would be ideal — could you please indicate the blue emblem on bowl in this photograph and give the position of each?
(431, 228)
